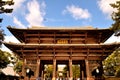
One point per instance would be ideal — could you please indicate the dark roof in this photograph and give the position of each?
(18, 46)
(19, 32)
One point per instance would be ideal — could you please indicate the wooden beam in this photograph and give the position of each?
(46, 34)
(77, 35)
(32, 35)
(46, 58)
(78, 58)
(62, 58)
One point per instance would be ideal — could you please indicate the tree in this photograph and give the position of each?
(65, 69)
(112, 64)
(4, 59)
(116, 16)
(76, 71)
(49, 70)
(18, 66)
(4, 10)
(1, 36)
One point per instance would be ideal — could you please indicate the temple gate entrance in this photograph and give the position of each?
(82, 46)
(62, 69)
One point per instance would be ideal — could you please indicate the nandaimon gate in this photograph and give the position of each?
(41, 46)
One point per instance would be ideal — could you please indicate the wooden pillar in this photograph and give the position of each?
(101, 68)
(42, 74)
(67, 70)
(54, 69)
(38, 68)
(41, 69)
(67, 74)
(57, 71)
(87, 69)
(23, 68)
(81, 71)
(70, 69)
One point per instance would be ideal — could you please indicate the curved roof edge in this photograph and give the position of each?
(24, 44)
(59, 28)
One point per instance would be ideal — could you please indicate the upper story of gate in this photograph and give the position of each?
(44, 35)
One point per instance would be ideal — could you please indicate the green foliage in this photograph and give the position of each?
(4, 59)
(3, 3)
(49, 70)
(7, 58)
(65, 69)
(76, 71)
(1, 36)
(116, 16)
(18, 66)
(4, 10)
(118, 73)
(112, 64)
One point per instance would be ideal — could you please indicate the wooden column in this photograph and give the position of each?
(87, 69)
(42, 75)
(67, 70)
(23, 68)
(57, 71)
(101, 68)
(70, 69)
(41, 70)
(80, 71)
(54, 69)
(38, 68)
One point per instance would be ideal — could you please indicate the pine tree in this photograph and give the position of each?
(4, 59)
(4, 10)
(116, 16)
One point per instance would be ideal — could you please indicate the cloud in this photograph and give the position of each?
(77, 12)
(18, 23)
(36, 13)
(105, 7)
(18, 4)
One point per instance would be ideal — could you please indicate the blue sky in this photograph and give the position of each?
(58, 13)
